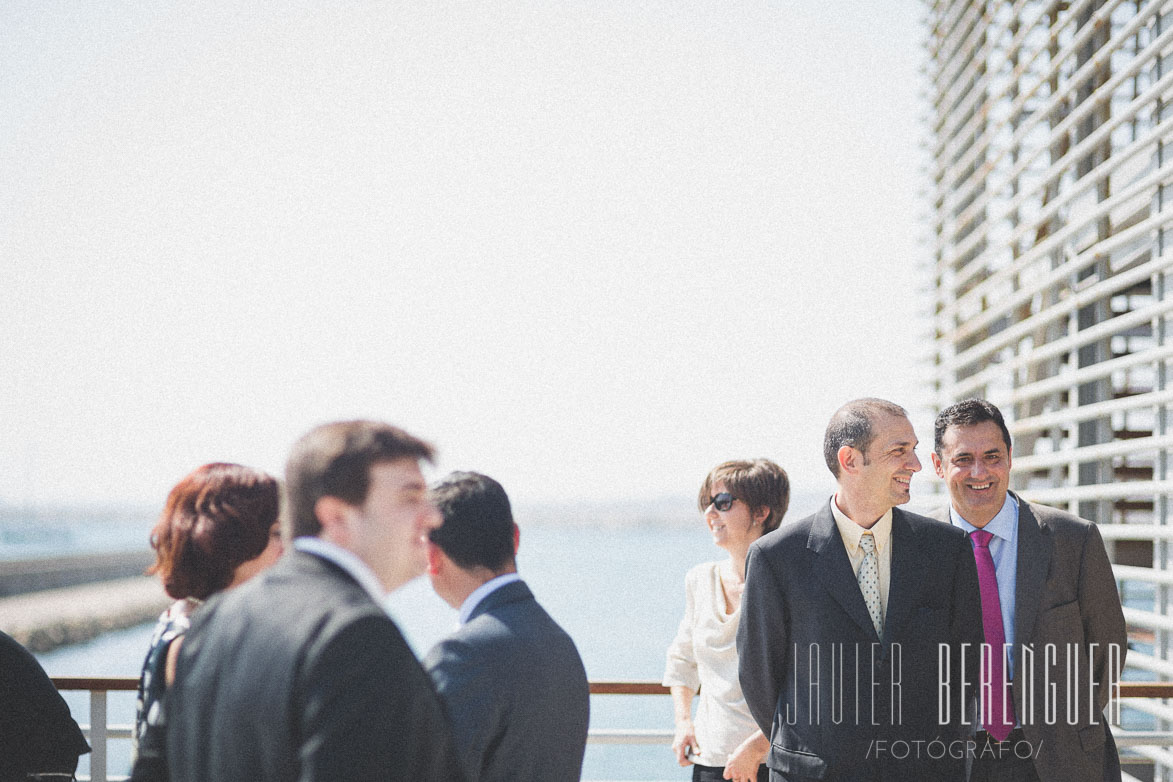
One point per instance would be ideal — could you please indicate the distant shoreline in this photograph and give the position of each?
(45, 620)
(37, 574)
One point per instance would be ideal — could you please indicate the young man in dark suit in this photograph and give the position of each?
(511, 678)
(854, 620)
(1047, 585)
(300, 674)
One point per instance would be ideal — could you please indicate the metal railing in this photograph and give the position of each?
(99, 732)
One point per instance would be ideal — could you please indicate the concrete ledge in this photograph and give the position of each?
(23, 576)
(45, 620)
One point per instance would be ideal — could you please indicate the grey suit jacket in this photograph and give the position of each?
(297, 675)
(1065, 596)
(515, 689)
(837, 701)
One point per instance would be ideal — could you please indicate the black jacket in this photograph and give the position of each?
(299, 675)
(37, 732)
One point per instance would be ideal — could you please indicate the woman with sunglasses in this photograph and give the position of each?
(741, 501)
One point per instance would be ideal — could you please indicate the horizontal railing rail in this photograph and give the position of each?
(99, 731)
(130, 683)
(600, 687)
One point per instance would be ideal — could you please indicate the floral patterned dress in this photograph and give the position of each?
(150, 723)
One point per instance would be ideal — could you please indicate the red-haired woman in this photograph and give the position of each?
(218, 529)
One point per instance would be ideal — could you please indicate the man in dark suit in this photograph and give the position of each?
(512, 680)
(854, 620)
(1051, 586)
(299, 674)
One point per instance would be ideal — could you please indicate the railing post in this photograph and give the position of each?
(98, 735)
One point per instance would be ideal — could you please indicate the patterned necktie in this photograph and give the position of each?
(993, 667)
(869, 581)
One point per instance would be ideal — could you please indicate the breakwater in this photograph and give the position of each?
(51, 618)
(32, 575)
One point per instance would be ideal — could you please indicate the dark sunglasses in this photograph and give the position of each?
(722, 501)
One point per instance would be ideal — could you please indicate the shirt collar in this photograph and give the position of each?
(852, 532)
(484, 590)
(1004, 525)
(347, 560)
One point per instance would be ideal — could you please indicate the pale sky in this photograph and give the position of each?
(589, 248)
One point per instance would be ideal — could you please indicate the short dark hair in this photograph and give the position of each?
(852, 425)
(478, 521)
(759, 483)
(968, 412)
(335, 460)
(217, 518)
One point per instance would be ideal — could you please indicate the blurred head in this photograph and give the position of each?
(760, 492)
(477, 529)
(335, 460)
(217, 520)
(358, 485)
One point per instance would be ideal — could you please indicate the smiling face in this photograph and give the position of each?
(873, 481)
(975, 464)
(735, 528)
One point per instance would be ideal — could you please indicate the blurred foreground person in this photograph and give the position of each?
(300, 674)
(511, 678)
(38, 737)
(741, 501)
(218, 529)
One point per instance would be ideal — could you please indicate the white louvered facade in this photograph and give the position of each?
(1052, 214)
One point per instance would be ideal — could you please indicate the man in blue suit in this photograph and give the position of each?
(512, 679)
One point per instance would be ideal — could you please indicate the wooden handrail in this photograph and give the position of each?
(628, 688)
(609, 687)
(108, 683)
(123, 683)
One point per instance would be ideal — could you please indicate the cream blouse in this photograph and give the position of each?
(703, 657)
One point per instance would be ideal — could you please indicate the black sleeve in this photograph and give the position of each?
(37, 732)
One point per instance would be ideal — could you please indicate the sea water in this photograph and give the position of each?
(618, 590)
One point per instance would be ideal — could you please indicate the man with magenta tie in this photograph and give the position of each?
(1053, 624)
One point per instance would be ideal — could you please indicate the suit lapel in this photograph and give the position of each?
(1034, 562)
(902, 583)
(834, 569)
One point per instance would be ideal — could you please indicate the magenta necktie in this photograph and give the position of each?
(997, 708)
